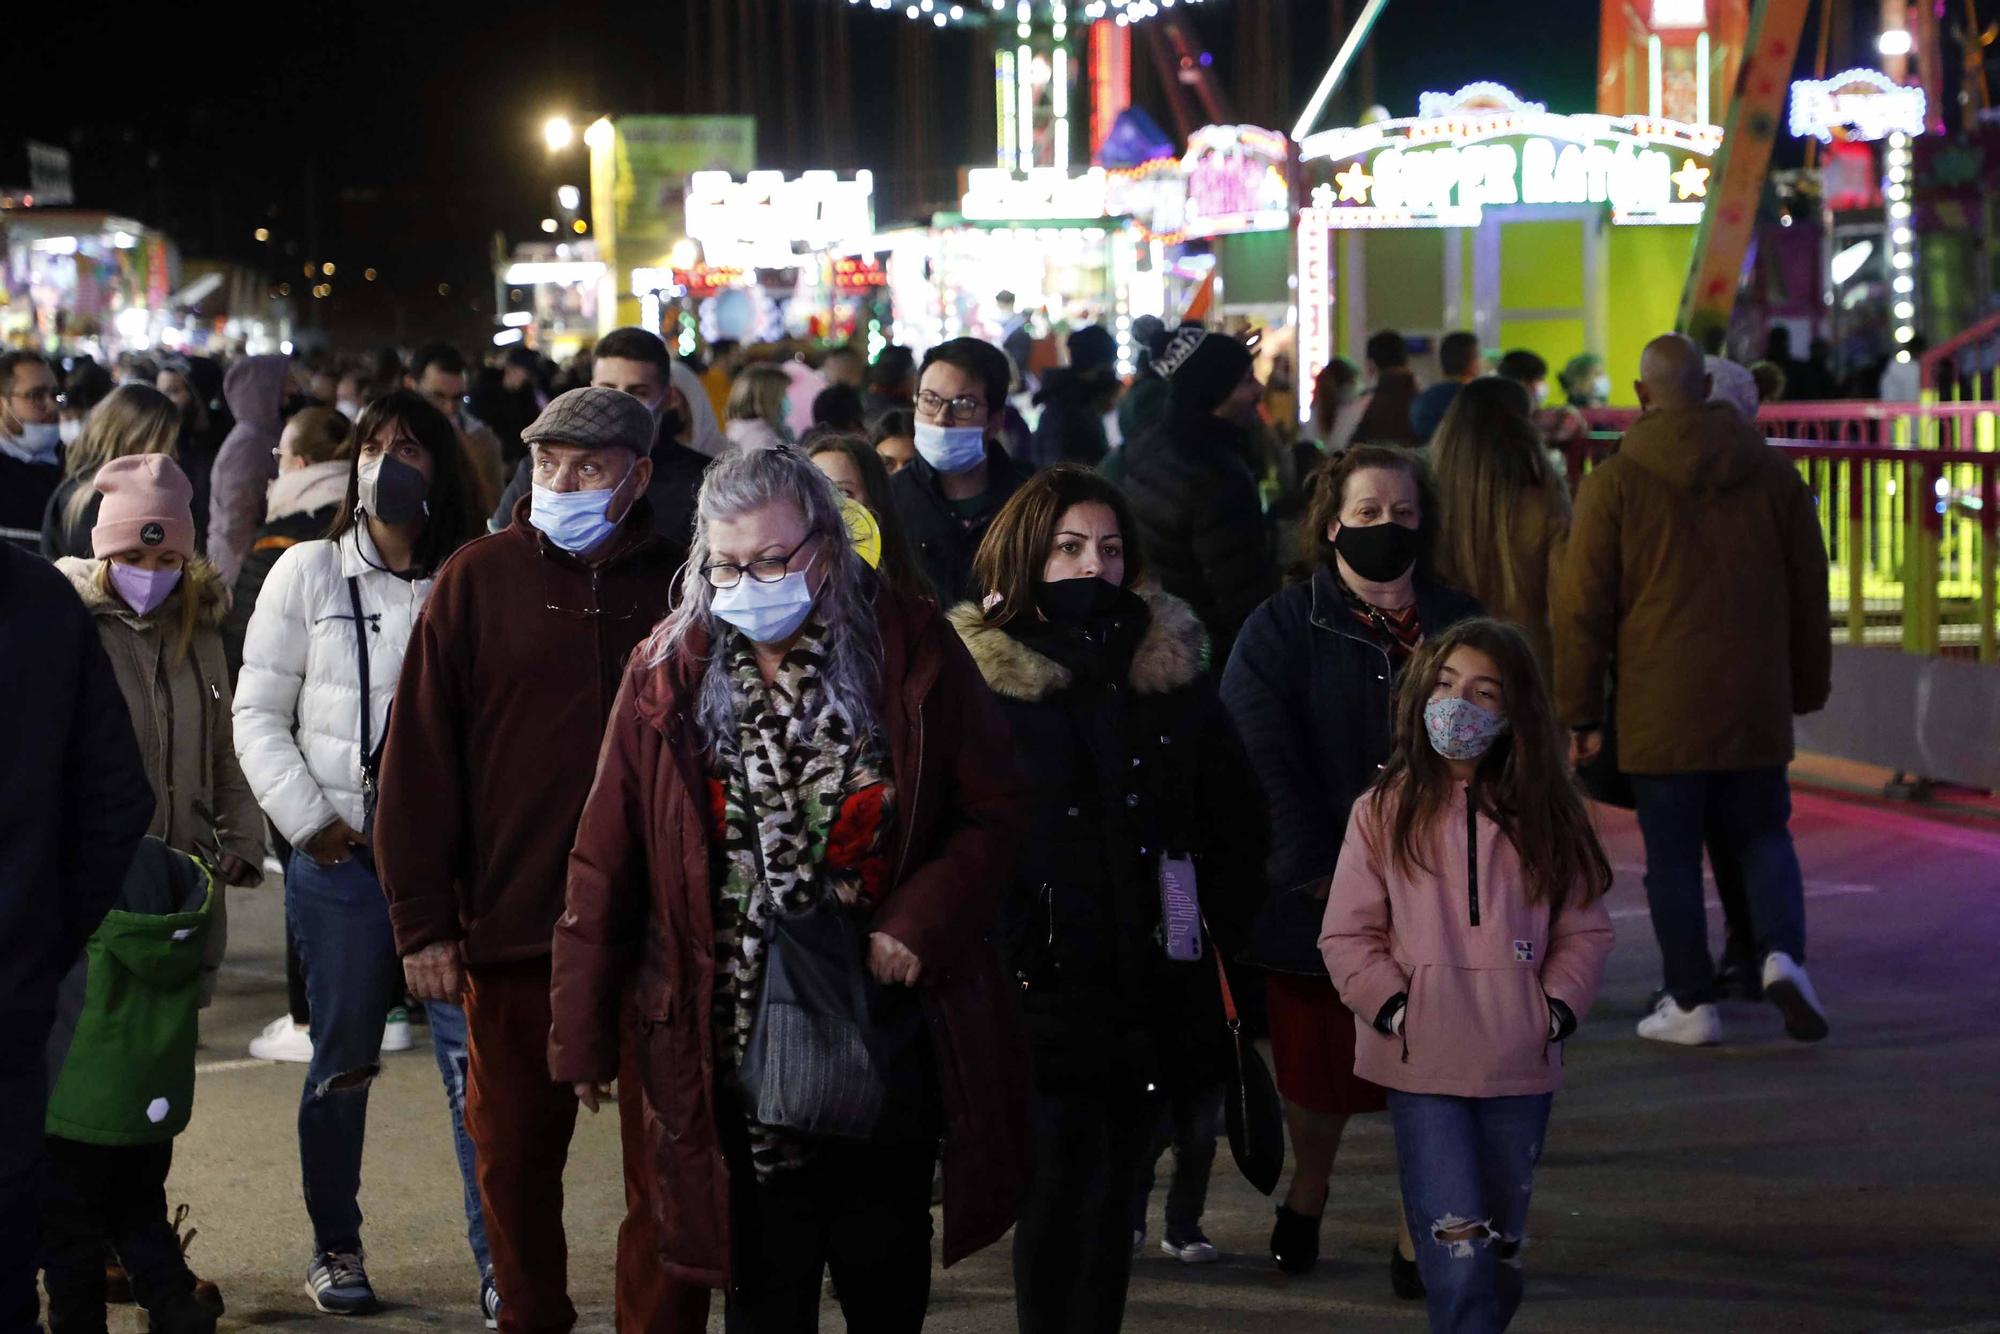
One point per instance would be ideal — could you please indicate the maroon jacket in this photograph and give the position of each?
(494, 736)
(639, 913)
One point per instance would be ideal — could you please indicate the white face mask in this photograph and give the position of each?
(767, 613)
(70, 431)
(348, 408)
(1601, 387)
(951, 449)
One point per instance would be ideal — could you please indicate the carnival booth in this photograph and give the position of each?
(1564, 233)
(79, 276)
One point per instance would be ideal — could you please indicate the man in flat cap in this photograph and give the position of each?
(491, 751)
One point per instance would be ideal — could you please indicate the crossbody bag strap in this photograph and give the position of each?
(1229, 1015)
(371, 753)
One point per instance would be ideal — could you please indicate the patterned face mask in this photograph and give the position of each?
(1460, 729)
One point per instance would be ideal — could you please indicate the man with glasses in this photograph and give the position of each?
(949, 493)
(491, 751)
(30, 447)
(438, 373)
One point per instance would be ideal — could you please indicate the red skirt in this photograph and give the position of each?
(1312, 1047)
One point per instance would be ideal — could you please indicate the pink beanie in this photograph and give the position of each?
(148, 506)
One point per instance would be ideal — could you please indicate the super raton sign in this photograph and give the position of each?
(1483, 146)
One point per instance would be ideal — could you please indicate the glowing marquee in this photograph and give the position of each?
(1860, 104)
(1236, 181)
(1484, 147)
(766, 221)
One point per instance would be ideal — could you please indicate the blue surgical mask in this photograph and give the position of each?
(576, 521)
(36, 443)
(1460, 729)
(951, 448)
(766, 613)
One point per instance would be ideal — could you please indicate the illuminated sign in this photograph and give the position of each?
(859, 273)
(993, 194)
(1861, 104)
(1153, 194)
(1484, 147)
(1315, 303)
(1236, 181)
(768, 221)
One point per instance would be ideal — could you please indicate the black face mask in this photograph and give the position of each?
(1076, 601)
(395, 493)
(1381, 552)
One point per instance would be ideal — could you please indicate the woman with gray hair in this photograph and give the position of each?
(805, 815)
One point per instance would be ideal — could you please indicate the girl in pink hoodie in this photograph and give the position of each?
(1466, 929)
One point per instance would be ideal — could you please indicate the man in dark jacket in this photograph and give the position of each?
(491, 751)
(1461, 361)
(30, 447)
(947, 496)
(1201, 521)
(506, 398)
(1695, 565)
(1074, 399)
(76, 804)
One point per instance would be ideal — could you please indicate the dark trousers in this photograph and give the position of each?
(1469, 1161)
(862, 1211)
(521, 1122)
(1188, 1121)
(24, 1104)
(1073, 1244)
(99, 1195)
(1749, 811)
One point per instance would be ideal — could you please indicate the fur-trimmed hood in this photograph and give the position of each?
(201, 576)
(1172, 653)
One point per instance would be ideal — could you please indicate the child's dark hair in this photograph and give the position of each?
(1523, 783)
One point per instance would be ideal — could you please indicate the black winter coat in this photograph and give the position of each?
(25, 489)
(1071, 429)
(273, 539)
(1123, 771)
(1201, 522)
(1310, 691)
(65, 533)
(74, 800)
(944, 543)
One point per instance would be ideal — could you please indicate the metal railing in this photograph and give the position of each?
(1965, 367)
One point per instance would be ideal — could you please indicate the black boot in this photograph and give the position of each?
(1295, 1241)
(1404, 1279)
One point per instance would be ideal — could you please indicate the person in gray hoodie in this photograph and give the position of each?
(244, 467)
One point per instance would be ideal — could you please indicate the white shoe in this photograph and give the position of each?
(283, 1040)
(273, 868)
(1787, 987)
(1198, 1250)
(396, 1032)
(1699, 1027)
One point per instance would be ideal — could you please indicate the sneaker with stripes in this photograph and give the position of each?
(338, 1284)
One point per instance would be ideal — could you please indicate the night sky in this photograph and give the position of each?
(402, 138)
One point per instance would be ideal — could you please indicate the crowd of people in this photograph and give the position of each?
(886, 781)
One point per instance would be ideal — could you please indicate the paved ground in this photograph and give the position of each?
(1758, 1186)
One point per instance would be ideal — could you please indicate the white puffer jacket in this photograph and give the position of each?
(298, 714)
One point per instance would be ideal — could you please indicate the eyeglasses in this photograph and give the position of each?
(39, 397)
(961, 409)
(769, 570)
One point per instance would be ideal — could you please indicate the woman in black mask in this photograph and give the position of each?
(1140, 829)
(1310, 688)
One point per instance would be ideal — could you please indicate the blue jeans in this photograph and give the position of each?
(1748, 811)
(448, 1045)
(1189, 1121)
(1469, 1163)
(340, 920)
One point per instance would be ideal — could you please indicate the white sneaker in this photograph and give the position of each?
(396, 1032)
(283, 1040)
(1699, 1027)
(1197, 1250)
(1787, 987)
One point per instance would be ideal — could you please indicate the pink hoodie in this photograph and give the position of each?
(1477, 961)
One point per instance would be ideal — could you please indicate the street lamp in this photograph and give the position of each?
(1894, 42)
(557, 133)
(569, 197)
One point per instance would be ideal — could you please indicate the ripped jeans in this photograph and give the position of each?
(1468, 1169)
(448, 1045)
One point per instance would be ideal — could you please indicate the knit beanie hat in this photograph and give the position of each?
(148, 505)
(1203, 369)
(1092, 348)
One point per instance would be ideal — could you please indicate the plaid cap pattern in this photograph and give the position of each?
(594, 418)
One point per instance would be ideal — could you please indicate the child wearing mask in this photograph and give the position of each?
(158, 608)
(1466, 929)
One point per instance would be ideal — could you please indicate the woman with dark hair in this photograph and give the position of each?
(895, 439)
(1504, 509)
(320, 664)
(1311, 687)
(801, 765)
(1138, 832)
(856, 471)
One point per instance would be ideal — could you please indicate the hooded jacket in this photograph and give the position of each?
(1476, 963)
(1201, 521)
(301, 507)
(1124, 772)
(298, 702)
(254, 388)
(494, 739)
(129, 1074)
(1696, 570)
(74, 801)
(180, 712)
(638, 917)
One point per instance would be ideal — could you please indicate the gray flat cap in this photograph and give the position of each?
(594, 418)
